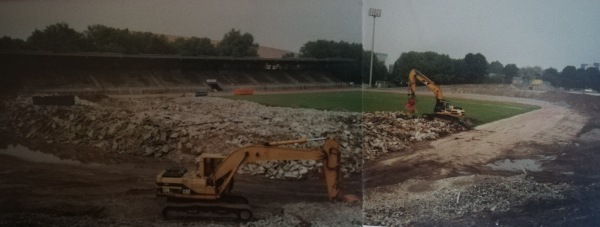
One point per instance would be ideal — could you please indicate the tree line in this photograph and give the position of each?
(61, 38)
(472, 69)
(571, 77)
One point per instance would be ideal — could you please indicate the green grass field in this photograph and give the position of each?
(357, 101)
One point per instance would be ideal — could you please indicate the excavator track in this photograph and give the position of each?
(450, 119)
(229, 204)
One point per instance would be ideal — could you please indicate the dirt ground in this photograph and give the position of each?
(534, 163)
(534, 169)
(66, 183)
(117, 190)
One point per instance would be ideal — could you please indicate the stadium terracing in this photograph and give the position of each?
(108, 73)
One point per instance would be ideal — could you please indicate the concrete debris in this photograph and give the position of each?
(171, 127)
(303, 214)
(423, 201)
(386, 132)
(162, 126)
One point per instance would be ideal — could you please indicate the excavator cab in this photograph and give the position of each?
(440, 106)
(208, 164)
(445, 107)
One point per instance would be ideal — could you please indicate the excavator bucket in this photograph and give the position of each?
(331, 169)
(409, 108)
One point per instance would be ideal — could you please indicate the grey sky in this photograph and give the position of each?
(546, 33)
(285, 24)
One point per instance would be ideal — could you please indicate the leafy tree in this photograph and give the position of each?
(475, 68)
(510, 71)
(553, 76)
(235, 44)
(437, 67)
(379, 69)
(57, 37)
(320, 49)
(568, 77)
(459, 69)
(148, 43)
(580, 79)
(593, 75)
(404, 64)
(331, 49)
(341, 49)
(496, 67)
(106, 39)
(194, 47)
(7, 43)
(442, 68)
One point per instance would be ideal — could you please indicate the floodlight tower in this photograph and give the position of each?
(374, 13)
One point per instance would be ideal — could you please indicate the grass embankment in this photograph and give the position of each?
(357, 101)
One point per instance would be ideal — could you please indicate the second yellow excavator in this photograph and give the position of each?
(442, 109)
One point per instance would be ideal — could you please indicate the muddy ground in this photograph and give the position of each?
(535, 169)
(115, 190)
(51, 178)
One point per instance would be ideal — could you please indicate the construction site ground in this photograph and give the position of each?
(57, 181)
(534, 169)
(121, 192)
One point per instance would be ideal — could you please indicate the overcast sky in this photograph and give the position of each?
(546, 33)
(284, 24)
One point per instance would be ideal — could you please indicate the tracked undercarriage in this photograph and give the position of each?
(465, 122)
(228, 204)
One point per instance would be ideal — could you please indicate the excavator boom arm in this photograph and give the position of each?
(329, 154)
(416, 75)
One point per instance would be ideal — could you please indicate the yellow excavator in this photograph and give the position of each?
(208, 189)
(443, 109)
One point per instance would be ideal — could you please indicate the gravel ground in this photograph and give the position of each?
(423, 201)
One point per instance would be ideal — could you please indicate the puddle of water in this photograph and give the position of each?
(533, 165)
(26, 154)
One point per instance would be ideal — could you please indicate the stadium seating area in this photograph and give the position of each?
(116, 81)
(124, 75)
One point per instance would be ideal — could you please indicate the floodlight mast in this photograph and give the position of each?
(374, 13)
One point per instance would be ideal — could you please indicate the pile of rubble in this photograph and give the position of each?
(173, 127)
(162, 126)
(386, 132)
(421, 201)
(314, 214)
